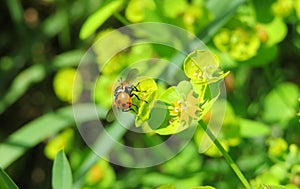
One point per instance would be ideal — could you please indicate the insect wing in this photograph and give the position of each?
(110, 115)
(132, 75)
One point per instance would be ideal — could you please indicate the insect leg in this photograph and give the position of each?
(136, 89)
(135, 111)
(128, 109)
(132, 94)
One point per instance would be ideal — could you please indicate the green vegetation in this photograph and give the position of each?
(253, 46)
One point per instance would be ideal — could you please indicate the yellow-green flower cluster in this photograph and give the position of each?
(241, 43)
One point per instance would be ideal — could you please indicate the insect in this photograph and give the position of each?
(124, 92)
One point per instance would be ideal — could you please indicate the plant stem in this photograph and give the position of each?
(227, 157)
(121, 19)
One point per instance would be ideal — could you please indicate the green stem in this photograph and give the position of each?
(227, 157)
(121, 19)
(203, 91)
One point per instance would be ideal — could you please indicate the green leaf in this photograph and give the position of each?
(148, 93)
(21, 83)
(98, 18)
(39, 129)
(276, 30)
(68, 59)
(202, 67)
(182, 107)
(223, 11)
(197, 62)
(5, 181)
(280, 105)
(250, 128)
(263, 10)
(159, 115)
(184, 88)
(55, 23)
(61, 172)
(35, 74)
(169, 95)
(103, 145)
(105, 49)
(16, 14)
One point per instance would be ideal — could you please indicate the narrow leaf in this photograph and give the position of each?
(5, 181)
(35, 74)
(61, 172)
(223, 12)
(36, 131)
(68, 59)
(98, 18)
(21, 83)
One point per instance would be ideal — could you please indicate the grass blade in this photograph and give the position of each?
(21, 83)
(103, 146)
(98, 18)
(223, 13)
(227, 157)
(61, 172)
(36, 131)
(5, 181)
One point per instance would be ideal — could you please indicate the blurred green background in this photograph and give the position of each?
(42, 43)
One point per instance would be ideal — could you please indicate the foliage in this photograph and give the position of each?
(258, 41)
(6, 182)
(62, 177)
